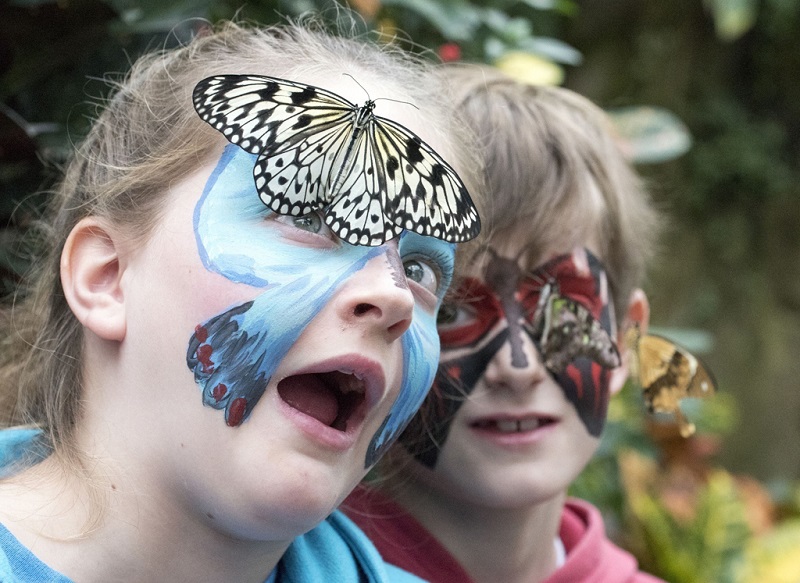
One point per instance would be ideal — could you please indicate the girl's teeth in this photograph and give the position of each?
(507, 426)
(528, 424)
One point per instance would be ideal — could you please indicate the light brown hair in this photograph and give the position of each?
(147, 137)
(555, 174)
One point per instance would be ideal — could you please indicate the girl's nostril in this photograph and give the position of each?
(400, 326)
(362, 309)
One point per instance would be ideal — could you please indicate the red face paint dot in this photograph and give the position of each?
(204, 356)
(201, 333)
(219, 391)
(236, 411)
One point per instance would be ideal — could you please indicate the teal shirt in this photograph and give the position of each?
(334, 551)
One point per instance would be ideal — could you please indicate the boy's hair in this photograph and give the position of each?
(555, 178)
(147, 138)
(554, 174)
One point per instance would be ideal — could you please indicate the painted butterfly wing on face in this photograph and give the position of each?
(370, 176)
(668, 373)
(567, 330)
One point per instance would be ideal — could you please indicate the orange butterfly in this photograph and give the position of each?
(667, 373)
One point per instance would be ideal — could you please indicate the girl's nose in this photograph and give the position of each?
(518, 371)
(378, 296)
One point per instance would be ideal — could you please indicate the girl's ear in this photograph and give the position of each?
(637, 314)
(91, 277)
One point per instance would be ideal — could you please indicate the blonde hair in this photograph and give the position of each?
(147, 137)
(554, 173)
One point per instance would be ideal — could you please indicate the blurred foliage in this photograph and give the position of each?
(716, 77)
(666, 499)
(56, 59)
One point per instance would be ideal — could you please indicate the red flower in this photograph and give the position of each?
(449, 52)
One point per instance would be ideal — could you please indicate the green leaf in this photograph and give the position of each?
(554, 49)
(733, 18)
(494, 48)
(565, 7)
(650, 134)
(694, 340)
(455, 19)
(155, 16)
(512, 30)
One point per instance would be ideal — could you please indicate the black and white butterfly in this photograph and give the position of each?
(369, 176)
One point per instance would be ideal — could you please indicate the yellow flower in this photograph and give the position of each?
(530, 69)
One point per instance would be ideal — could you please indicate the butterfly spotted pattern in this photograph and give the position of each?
(565, 330)
(667, 374)
(369, 176)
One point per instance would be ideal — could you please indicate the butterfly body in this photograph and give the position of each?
(370, 176)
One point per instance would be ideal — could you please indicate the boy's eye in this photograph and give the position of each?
(448, 314)
(453, 316)
(422, 273)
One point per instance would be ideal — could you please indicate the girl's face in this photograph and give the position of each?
(278, 362)
(521, 397)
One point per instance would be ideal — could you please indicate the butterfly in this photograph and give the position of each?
(318, 152)
(565, 330)
(668, 373)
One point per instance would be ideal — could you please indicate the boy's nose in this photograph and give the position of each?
(378, 296)
(520, 372)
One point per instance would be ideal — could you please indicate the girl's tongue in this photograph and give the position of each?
(311, 395)
(332, 398)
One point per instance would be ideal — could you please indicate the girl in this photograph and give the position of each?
(204, 380)
(531, 352)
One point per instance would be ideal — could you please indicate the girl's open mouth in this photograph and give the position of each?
(333, 398)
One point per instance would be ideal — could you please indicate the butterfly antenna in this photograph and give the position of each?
(357, 83)
(379, 98)
(397, 101)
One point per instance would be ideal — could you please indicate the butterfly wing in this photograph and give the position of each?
(318, 151)
(357, 214)
(669, 373)
(300, 133)
(424, 194)
(296, 178)
(568, 330)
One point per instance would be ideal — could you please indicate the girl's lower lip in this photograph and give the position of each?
(514, 438)
(326, 436)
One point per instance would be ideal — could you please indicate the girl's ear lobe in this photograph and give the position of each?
(91, 276)
(637, 314)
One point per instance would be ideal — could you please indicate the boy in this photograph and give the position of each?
(532, 348)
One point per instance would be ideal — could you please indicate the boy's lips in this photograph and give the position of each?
(511, 424)
(338, 393)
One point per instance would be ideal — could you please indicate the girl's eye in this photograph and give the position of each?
(311, 222)
(423, 274)
(310, 228)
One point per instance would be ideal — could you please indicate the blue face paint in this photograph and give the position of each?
(234, 354)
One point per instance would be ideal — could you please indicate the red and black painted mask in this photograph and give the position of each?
(563, 306)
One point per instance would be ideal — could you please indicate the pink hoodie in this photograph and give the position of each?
(404, 542)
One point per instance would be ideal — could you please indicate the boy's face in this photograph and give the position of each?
(521, 396)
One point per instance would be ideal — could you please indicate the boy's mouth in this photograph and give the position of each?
(511, 425)
(332, 398)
